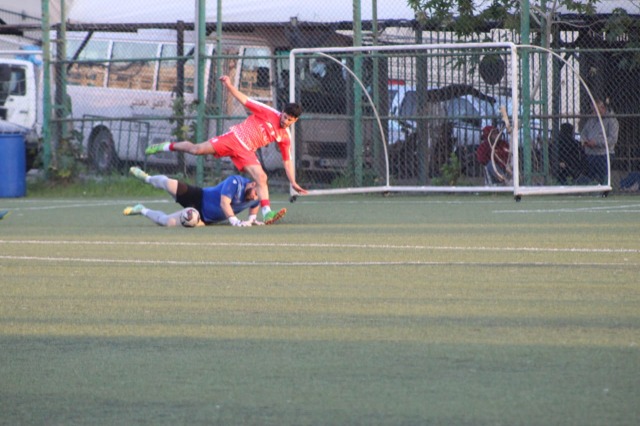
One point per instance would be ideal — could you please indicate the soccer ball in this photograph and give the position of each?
(189, 217)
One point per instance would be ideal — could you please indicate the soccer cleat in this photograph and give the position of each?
(138, 172)
(156, 148)
(3, 214)
(131, 211)
(272, 217)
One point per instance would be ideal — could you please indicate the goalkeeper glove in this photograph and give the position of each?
(234, 221)
(253, 219)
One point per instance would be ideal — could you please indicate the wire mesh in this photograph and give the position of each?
(118, 87)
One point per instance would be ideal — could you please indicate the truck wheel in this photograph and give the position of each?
(102, 155)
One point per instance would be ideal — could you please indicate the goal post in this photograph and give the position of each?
(412, 118)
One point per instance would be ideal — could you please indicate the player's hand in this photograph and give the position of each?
(253, 220)
(234, 221)
(241, 224)
(300, 190)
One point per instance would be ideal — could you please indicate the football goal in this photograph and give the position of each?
(460, 117)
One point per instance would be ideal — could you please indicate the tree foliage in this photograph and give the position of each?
(467, 17)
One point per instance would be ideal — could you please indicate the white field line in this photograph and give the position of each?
(629, 208)
(330, 246)
(23, 204)
(294, 263)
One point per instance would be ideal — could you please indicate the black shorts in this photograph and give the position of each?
(189, 196)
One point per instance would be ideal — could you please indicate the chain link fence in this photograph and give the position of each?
(116, 88)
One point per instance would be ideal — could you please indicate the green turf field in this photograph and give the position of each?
(355, 310)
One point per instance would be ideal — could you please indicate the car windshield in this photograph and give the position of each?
(460, 107)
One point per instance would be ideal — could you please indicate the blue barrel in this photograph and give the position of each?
(13, 167)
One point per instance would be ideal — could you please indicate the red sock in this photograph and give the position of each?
(265, 203)
(171, 146)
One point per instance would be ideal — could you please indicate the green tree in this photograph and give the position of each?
(468, 17)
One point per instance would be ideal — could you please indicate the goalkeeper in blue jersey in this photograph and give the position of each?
(214, 204)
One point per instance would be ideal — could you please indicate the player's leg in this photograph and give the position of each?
(163, 182)
(260, 177)
(156, 216)
(203, 148)
(157, 181)
(161, 218)
(139, 173)
(133, 210)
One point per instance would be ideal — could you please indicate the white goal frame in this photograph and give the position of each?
(516, 188)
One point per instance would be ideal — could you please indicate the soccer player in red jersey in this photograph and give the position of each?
(264, 126)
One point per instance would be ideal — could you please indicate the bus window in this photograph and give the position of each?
(255, 73)
(92, 73)
(282, 77)
(137, 75)
(167, 74)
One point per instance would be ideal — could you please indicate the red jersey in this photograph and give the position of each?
(261, 128)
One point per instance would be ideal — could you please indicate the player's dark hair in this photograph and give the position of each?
(293, 110)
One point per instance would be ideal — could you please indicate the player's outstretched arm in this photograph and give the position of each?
(225, 206)
(288, 168)
(241, 97)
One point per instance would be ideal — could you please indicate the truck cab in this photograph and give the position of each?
(18, 100)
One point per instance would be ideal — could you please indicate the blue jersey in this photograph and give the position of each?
(233, 187)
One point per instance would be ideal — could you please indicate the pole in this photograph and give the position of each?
(46, 90)
(377, 138)
(219, 71)
(180, 91)
(357, 96)
(526, 93)
(200, 83)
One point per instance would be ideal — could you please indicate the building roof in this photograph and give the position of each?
(235, 11)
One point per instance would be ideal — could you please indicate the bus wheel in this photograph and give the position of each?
(102, 155)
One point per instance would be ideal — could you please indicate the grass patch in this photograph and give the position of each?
(107, 186)
(115, 185)
(353, 310)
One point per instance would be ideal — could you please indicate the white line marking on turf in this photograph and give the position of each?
(294, 263)
(633, 208)
(336, 246)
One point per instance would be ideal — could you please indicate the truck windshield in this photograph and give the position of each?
(12, 82)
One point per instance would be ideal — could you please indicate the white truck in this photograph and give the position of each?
(19, 106)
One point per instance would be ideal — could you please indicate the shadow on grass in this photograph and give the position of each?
(48, 380)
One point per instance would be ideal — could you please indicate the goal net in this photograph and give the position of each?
(463, 117)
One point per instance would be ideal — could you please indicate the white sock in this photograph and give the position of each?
(158, 181)
(156, 216)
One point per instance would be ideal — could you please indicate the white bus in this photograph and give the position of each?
(118, 107)
(121, 107)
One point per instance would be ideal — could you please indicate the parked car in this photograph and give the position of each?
(468, 114)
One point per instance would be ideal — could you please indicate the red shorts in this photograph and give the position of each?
(228, 145)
